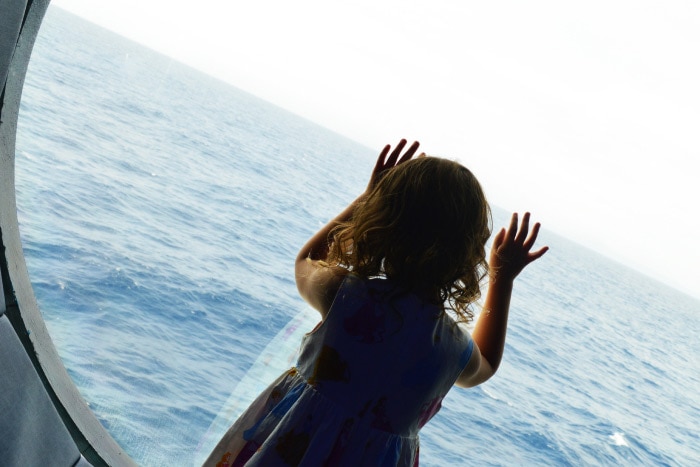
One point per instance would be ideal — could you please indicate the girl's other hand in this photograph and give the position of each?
(510, 252)
(384, 164)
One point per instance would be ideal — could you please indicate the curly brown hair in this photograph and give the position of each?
(424, 225)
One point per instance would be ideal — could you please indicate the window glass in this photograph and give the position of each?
(160, 212)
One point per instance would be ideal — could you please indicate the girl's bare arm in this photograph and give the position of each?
(316, 284)
(510, 254)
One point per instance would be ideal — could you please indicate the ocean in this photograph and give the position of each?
(161, 211)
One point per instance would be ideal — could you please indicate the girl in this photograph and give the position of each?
(392, 276)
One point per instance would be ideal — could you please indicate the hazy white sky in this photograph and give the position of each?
(585, 113)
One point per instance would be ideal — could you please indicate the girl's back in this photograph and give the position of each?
(384, 356)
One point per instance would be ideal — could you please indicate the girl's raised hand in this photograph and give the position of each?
(384, 163)
(510, 252)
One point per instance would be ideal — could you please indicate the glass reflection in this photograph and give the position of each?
(160, 211)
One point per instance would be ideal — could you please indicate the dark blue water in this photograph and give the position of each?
(161, 211)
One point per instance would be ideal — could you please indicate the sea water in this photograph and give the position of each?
(161, 211)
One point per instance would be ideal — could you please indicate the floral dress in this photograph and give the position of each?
(367, 379)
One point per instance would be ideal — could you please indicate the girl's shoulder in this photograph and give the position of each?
(319, 284)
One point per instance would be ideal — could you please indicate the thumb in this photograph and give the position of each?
(498, 239)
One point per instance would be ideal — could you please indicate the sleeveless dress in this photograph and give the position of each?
(367, 379)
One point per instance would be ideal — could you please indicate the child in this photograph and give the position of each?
(384, 274)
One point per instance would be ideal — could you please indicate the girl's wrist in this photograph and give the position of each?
(500, 280)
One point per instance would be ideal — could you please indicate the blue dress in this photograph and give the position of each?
(367, 379)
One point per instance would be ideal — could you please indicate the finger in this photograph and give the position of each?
(512, 228)
(537, 254)
(409, 152)
(498, 239)
(380, 160)
(395, 153)
(524, 227)
(422, 154)
(532, 237)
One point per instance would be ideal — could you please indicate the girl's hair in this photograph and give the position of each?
(423, 225)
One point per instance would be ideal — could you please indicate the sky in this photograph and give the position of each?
(587, 114)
